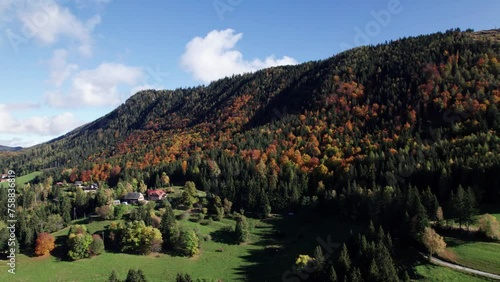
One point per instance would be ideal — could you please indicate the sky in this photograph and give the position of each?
(68, 62)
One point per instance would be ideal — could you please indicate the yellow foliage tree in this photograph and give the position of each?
(489, 225)
(433, 241)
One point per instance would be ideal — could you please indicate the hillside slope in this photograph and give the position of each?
(420, 111)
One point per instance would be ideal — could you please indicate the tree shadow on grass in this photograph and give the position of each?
(60, 252)
(225, 236)
(265, 262)
(275, 249)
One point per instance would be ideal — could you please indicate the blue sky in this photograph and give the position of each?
(68, 62)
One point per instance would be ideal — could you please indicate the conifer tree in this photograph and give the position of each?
(241, 230)
(319, 257)
(332, 274)
(113, 277)
(169, 228)
(344, 261)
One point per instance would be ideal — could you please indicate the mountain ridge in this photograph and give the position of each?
(352, 116)
(10, 149)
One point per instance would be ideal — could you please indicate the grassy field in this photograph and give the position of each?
(431, 272)
(23, 179)
(179, 189)
(251, 261)
(497, 215)
(483, 256)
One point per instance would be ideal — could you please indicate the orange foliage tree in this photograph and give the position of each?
(45, 243)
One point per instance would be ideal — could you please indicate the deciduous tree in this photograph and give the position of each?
(45, 243)
(489, 225)
(433, 241)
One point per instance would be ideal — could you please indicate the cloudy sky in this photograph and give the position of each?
(68, 62)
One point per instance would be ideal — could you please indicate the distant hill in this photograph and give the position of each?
(419, 110)
(9, 149)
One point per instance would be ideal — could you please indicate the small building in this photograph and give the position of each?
(116, 202)
(134, 197)
(90, 189)
(156, 195)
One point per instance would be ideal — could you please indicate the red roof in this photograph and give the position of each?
(156, 192)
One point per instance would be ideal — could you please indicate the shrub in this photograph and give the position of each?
(188, 243)
(183, 216)
(97, 246)
(489, 226)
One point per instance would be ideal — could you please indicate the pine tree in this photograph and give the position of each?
(241, 230)
(263, 205)
(385, 264)
(356, 275)
(319, 257)
(430, 202)
(183, 278)
(470, 207)
(66, 209)
(373, 271)
(189, 195)
(113, 277)
(344, 261)
(141, 276)
(135, 276)
(332, 274)
(169, 228)
(371, 231)
(457, 205)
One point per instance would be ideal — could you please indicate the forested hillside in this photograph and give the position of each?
(420, 110)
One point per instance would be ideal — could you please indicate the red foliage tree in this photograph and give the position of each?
(45, 243)
(86, 175)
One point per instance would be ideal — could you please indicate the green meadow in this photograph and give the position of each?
(479, 255)
(266, 257)
(23, 179)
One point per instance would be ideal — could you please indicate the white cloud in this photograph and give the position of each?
(16, 141)
(96, 87)
(48, 22)
(214, 57)
(37, 125)
(23, 106)
(60, 70)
